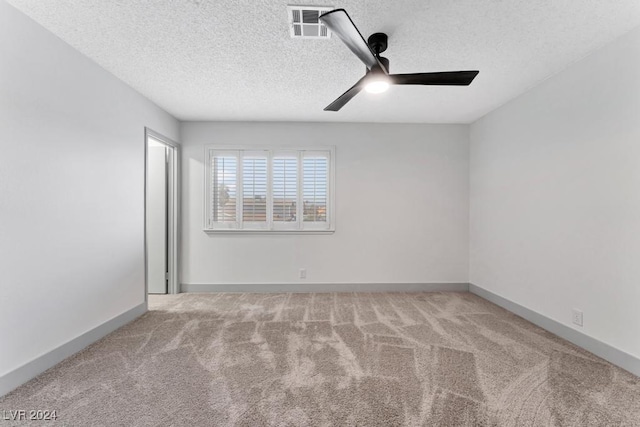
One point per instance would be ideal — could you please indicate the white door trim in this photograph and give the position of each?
(173, 284)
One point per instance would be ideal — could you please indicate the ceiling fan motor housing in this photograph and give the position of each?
(384, 62)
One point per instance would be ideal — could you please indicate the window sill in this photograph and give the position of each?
(210, 231)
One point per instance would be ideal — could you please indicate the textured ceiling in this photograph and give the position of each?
(235, 60)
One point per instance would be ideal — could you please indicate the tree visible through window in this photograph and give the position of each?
(224, 189)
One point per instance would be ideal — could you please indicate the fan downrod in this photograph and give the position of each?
(378, 43)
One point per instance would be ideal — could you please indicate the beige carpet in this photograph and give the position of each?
(366, 359)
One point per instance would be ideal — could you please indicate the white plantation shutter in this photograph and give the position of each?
(224, 175)
(315, 187)
(285, 189)
(254, 190)
(269, 190)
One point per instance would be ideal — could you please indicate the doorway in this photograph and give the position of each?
(161, 213)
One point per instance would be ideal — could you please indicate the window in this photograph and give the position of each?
(287, 190)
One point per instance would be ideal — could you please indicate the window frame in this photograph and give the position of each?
(270, 151)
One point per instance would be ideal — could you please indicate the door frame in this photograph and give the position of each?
(173, 210)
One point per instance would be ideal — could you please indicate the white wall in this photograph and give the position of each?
(555, 196)
(71, 191)
(419, 236)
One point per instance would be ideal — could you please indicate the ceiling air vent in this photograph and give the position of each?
(304, 23)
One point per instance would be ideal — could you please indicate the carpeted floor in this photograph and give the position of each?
(366, 359)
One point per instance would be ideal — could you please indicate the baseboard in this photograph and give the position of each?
(607, 352)
(326, 287)
(35, 367)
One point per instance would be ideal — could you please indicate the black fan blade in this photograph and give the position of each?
(346, 97)
(341, 24)
(448, 78)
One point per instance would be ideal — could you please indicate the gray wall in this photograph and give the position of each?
(555, 196)
(401, 207)
(71, 185)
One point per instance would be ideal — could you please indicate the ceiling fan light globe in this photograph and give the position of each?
(377, 86)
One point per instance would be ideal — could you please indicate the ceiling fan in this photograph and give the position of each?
(377, 78)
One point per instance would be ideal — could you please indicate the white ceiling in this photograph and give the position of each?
(235, 60)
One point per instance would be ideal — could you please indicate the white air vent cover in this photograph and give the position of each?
(304, 23)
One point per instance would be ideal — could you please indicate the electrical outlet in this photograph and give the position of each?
(577, 317)
(303, 273)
